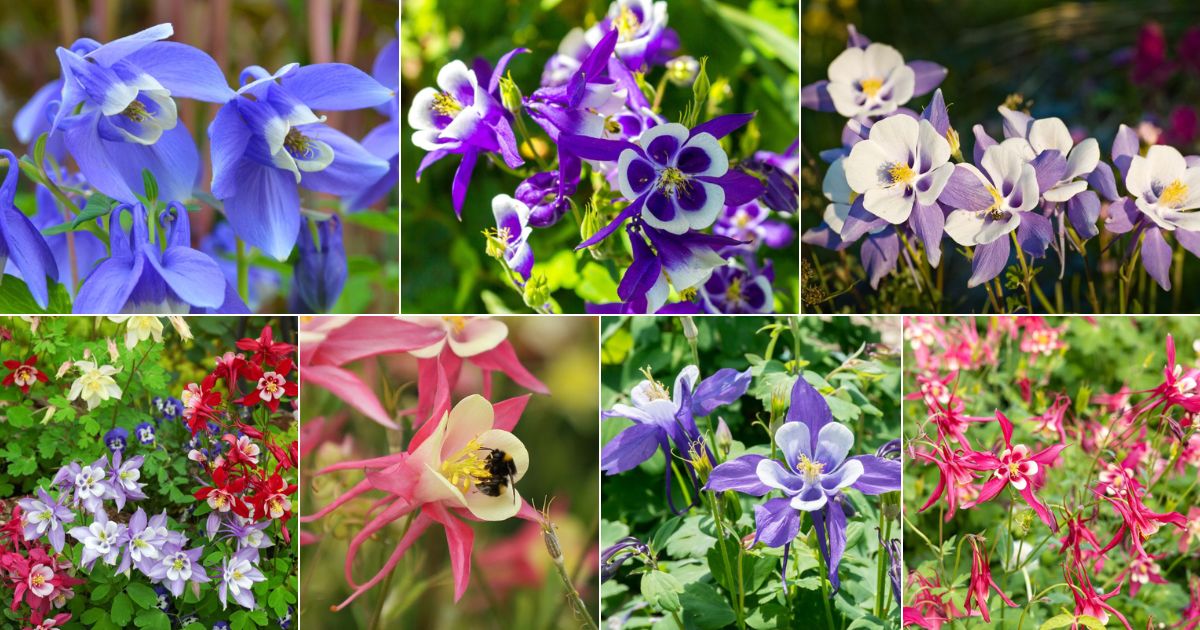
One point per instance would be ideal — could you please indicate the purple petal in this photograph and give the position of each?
(1156, 257)
(928, 221)
(1123, 215)
(641, 276)
(264, 210)
(740, 188)
(855, 39)
(1103, 181)
(989, 261)
(1050, 166)
(880, 253)
(1034, 233)
(1083, 210)
(809, 407)
(595, 148)
(776, 522)
(494, 79)
(462, 180)
(935, 112)
(860, 222)
(740, 475)
(879, 475)
(964, 191)
(823, 236)
(836, 522)
(982, 142)
(630, 448)
(1125, 146)
(1189, 240)
(722, 388)
(721, 126)
(816, 96)
(929, 75)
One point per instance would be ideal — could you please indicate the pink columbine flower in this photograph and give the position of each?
(1041, 341)
(1143, 569)
(1136, 518)
(1114, 479)
(981, 582)
(1191, 531)
(40, 580)
(1191, 615)
(1087, 600)
(1078, 533)
(1019, 467)
(1050, 422)
(954, 474)
(931, 605)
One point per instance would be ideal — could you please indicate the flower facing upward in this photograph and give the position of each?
(24, 375)
(1016, 466)
(95, 384)
(903, 162)
(466, 336)
(1165, 187)
(139, 328)
(45, 516)
(271, 385)
(117, 439)
(238, 576)
(101, 540)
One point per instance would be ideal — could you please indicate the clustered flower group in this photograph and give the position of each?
(674, 180)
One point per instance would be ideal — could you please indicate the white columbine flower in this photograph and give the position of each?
(904, 161)
(1165, 188)
(1012, 189)
(871, 81)
(1030, 137)
(139, 328)
(95, 384)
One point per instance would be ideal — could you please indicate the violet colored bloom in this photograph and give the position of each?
(512, 229)
(895, 568)
(238, 575)
(118, 113)
(901, 168)
(319, 274)
(45, 516)
(684, 261)
(613, 557)
(1035, 136)
(781, 172)
(660, 419)
(144, 433)
(117, 439)
(751, 222)
(249, 535)
(464, 116)
(144, 540)
(814, 473)
(21, 241)
(89, 484)
(221, 625)
(172, 409)
(101, 540)
(642, 29)
(140, 276)
(164, 599)
(177, 567)
(383, 141)
(565, 62)
(123, 479)
(541, 193)
(267, 142)
(738, 290)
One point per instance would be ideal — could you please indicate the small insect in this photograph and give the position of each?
(501, 469)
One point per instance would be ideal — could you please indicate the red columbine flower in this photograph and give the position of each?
(242, 450)
(1077, 534)
(1179, 387)
(931, 606)
(199, 402)
(1017, 467)
(272, 385)
(23, 375)
(265, 348)
(1191, 615)
(981, 581)
(225, 493)
(1142, 570)
(1087, 600)
(271, 499)
(1137, 519)
(230, 366)
(955, 473)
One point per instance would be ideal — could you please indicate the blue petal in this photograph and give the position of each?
(629, 448)
(228, 136)
(265, 209)
(879, 475)
(722, 388)
(809, 406)
(185, 71)
(777, 522)
(191, 275)
(118, 49)
(31, 119)
(115, 168)
(27, 249)
(108, 287)
(335, 86)
(988, 262)
(233, 304)
(352, 164)
(739, 474)
(640, 277)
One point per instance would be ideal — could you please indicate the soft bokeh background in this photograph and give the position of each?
(512, 580)
(1072, 60)
(445, 266)
(237, 34)
(634, 502)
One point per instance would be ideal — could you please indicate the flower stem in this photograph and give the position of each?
(738, 596)
(243, 271)
(387, 582)
(1026, 277)
(824, 577)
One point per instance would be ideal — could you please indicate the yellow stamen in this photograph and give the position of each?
(671, 180)
(1174, 194)
(871, 86)
(733, 293)
(38, 579)
(457, 322)
(901, 173)
(658, 391)
(446, 104)
(993, 210)
(809, 469)
(136, 112)
(177, 564)
(627, 24)
(465, 466)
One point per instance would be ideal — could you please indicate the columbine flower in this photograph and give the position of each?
(123, 479)
(21, 241)
(1035, 136)
(265, 348)
(95, 384)
(904, 162)
(144, 433)
(43, 622)
(272, 500)
(24, 375)
(320, 269)
(1087, 600)
(178, 567)
(1018, 467)
(1165, 188)
(144, 540)
(814, 471)
(683, 261)
(752, 223)
(249, 535)
(116, 439)
(199, 402)
(267, 142)
(139, 328)
(101, 540)
(613, 557)
(89, 483)
(45, 516)
(954, 474)
(463, 116)
(271, 385)
(1143, 569)
(981, 581)
(512, 234)
(641, 26)
(732, 289)
(381, 141)
(238, 576)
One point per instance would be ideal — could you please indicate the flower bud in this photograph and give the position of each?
(701, 85)
(320, 270)
(723, 437)
(537, 291)
(540, 192)
(510, 94)
(181, 327)
(780, 398)
(682, 71)
(689, 328)
(592, 223)
(1022, 523)
(113, 354)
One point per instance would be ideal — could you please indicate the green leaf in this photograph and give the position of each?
(97, 206)
(1092, 622)
(122, 610)
(92, 616)
(142, 595)
(101, 592)
(150, 186)
(597, 285)
(153, 620)
(785, 49)
(39, 149)
(15, 298)
(867, 621)
(383, 222)
(705, 608)
(1058, 621)
(20, 417)
(661, 590)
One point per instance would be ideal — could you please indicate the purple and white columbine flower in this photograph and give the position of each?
(101, 540)
(144, 433)
(117, 439)
(463, 116)
(735, 289)
(642, 29)
(512, 229)
(752, 222)
(123, 479)
(90, 484)
(238, 575)
(814, 472)
(249, 535)
(45, 516)
(177, 567)
(902, 165)
(144, 540)
(1034, 136)
(684, 261)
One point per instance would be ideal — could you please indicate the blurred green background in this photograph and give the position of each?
(513, 584)
(1067, 59)
(237, 34)
(445, 266)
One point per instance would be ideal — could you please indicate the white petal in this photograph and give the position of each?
(931, 146)
(845, 99)
(1166, 163)
(794, 440)
(457, 80)
(1064, 192)
(843, 476)
(936, 183)
(1083, 159)
(814, 502)
(847, 67)
(1002, 164)
(1018, 484)
(902, 83)
(880, 59)
(1140, 176)
(834, 186)
(500, 440)
(964, 226)
(1050, 133)
(479, 335)
(865, 166)
(1028, 187)
(497, 508)
(420, 113)
(706, 215)
(773, 474)
(833, 444)
(896, 136)
(468, 420)
(889, 204)
(623, 161)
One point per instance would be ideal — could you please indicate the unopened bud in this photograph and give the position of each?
(537, 291)
(592, 222)
(723, 437)
(510, 94)
(113, 354)
(701, 85)
(689, 328)
(682, 71)
(181, 327)
(1022, 523)
(780, 397)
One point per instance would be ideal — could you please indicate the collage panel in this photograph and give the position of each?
(148, 473)
(1051, 472)
(450, 468)
(659, 137)
(199, 157)
(752, 472)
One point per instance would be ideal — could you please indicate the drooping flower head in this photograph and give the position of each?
(320, 270)
(981, 583)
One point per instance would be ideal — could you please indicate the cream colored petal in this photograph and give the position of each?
(470, 417)
(497, 508)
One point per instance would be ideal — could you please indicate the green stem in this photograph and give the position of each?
(243, 271)
(738, 595)
(1026, 277)
(824, 577)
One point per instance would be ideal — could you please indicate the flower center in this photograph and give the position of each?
(297, 143)
(37, 580)
(136, 112)
(658, 391)
(672, 180)
(993, 211)
(456, 322)
(611, 126)
(733, 294)
(901, 173)
(237, 575)
(177, 564)
(446, 105)
(871, 86)
(1174, 194)
(627, 24)
(465, 466)
(810, 470)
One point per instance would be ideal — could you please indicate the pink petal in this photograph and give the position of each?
(370, 336)
(358, 489)
(990, 489)
(1006, 427)
(459, 538)
(440, 406)
(346, 385)
(1048, 455)
(355, 464)
(504, 359)
(389, 515)
(428, 385)
(398, 480)
(508, 412)
(418, 527)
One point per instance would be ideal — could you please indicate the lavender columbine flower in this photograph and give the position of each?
(892, 547)
(90, 484)
(901, 168)
(734, 289)
(512, 232)
(1034, 136)
(45, 516)
(463, 117)
(781, 172)
(642, 29)
(249, 535)
(238, 576)
(144, 540)
(178, 567)
(267, 142)
(21, 241)
(814, 473)
(144, 433)
(540, 192)
(116, 439)
(660, 419)
(751, 222)
(320, 270)
(101, 540)
(613, 557)
(684, 261)
(123, 479)
(118, 113)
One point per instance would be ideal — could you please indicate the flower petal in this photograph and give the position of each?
(776, 522)
(265, 209)
(794, 440)
(186, 71)
(335, 86)
(633, 446)
(773, 474)
(833, 443)
(739, 474)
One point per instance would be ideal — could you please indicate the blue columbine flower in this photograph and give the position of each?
(221, 245)
(268, 141)
(464, 116)
(739, 290)
(383, 141)
(165, 275)
(118, 113)
(512, 229)
(144, 433)
(320, 271)
(117, 439)
(21, 242)
(814, 472)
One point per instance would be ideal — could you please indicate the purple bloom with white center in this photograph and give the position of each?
(102, 540)
(177, 567)
(382, 140)
(464, 116)
(512, 229)
(903, 164)
(752, 222)
(238, 575)
(846, 221)
(89, 484)
(249, 535)
(677, 179)
(319, 274)
(221, 625)
(267, 143)
(116, 439)
(144, 433)
(642, 29)
(144, 539)
(738, 290)
(814, 472)
(118, 114)
(660, 419)
(164, 600)
(1034, 136)
(45, 516)
(21, 241)
(683, 260)
(123, 479)
(541, 193)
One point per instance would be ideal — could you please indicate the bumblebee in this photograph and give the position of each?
(500, 469)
